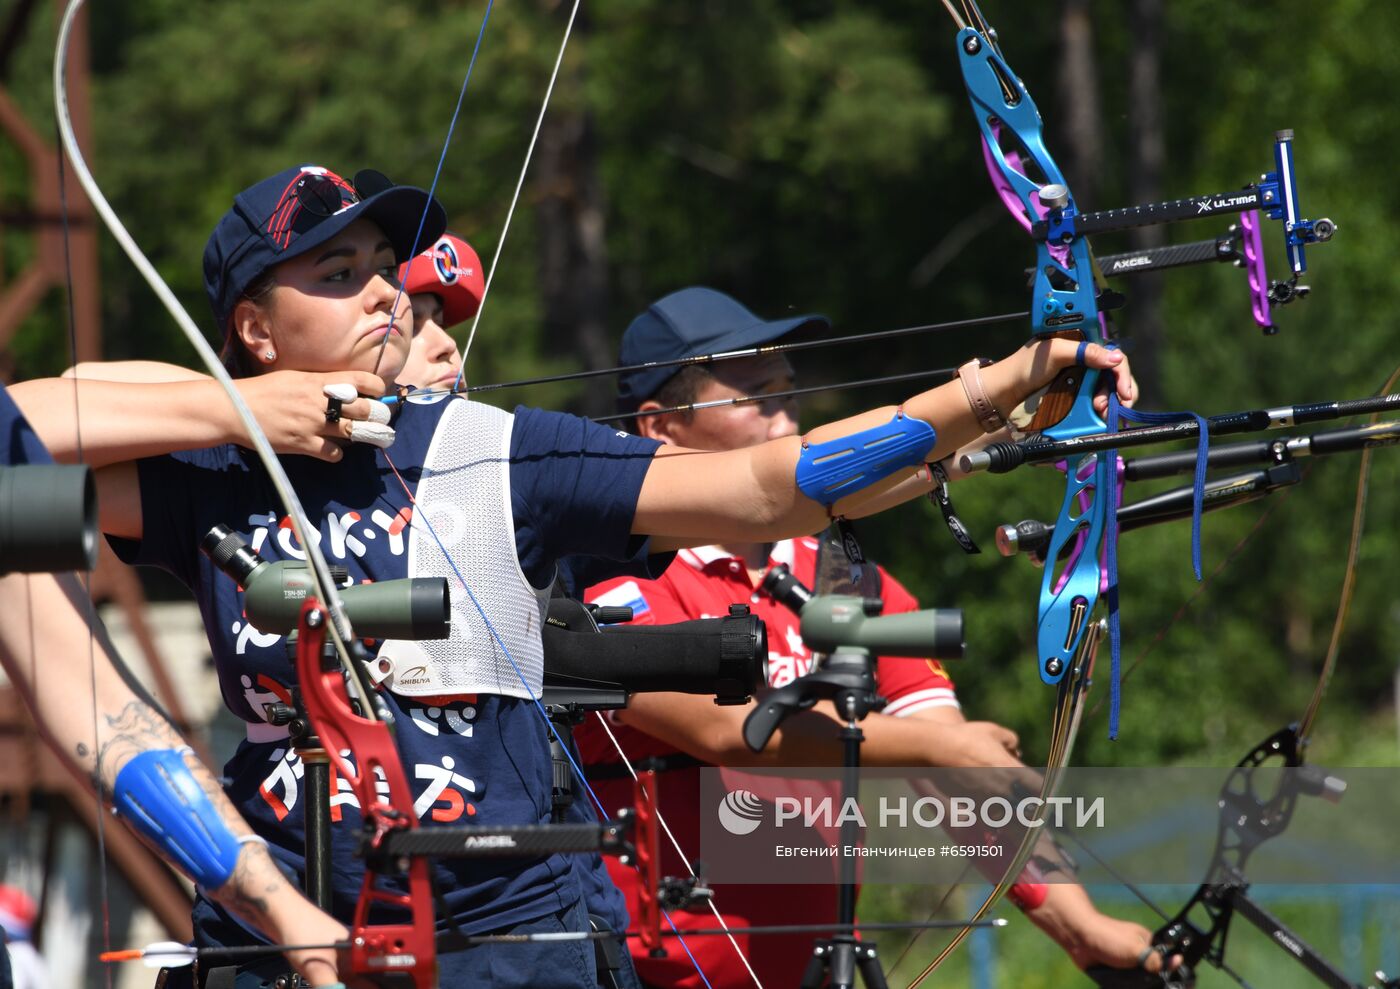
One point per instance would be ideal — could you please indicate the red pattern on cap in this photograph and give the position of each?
(284, 217)
(451, 270)
(17, 911)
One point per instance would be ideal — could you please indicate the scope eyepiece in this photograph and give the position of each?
(230, 553)
(782, 586)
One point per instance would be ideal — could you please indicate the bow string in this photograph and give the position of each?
(373, 712)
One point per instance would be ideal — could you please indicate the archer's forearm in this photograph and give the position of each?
(751, 495)
(1065, 914)
(945, 408)
(694, 725)
(116, 421)
(45, 648)
(919, 482)
(138, 372)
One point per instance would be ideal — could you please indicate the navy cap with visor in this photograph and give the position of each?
(689, 323)
(299, 209)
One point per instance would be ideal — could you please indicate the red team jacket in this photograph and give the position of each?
(703, 583)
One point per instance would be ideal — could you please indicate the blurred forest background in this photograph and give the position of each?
(819, 155)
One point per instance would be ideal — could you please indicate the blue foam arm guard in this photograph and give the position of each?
(828, 472)
(157, 795)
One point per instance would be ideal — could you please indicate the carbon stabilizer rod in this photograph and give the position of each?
(1000, 458)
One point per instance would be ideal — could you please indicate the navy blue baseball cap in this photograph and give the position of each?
(301, 208)
(689, 323)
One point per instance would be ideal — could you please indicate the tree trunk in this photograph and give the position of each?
(1081, 132)
(571, 217)
(1145, 185)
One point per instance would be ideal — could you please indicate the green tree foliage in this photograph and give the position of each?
(819, 155)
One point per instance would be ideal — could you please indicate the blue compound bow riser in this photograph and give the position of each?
(1063, 299)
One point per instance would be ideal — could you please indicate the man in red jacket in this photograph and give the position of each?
(923, 724)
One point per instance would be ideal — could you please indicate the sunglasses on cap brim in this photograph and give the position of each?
(323, 195)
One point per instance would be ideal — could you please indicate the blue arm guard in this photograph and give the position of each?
(157, 795)
(829, 471)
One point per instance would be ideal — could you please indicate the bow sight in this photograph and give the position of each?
(1276, 194)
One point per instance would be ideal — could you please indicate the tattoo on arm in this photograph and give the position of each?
(136, 728)
(256, 881)
(251, 888)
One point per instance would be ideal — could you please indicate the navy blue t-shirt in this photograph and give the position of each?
(18, 443)
(475, 759)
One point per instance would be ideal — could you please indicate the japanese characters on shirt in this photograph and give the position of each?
(484, 757)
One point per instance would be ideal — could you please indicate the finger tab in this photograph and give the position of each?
(378, 413)
(344, 391)
(371, 433)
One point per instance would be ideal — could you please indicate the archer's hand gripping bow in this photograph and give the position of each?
(1251, 812)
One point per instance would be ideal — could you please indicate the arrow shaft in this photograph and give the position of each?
(779, 395)
(1002, 457)
(765, 350)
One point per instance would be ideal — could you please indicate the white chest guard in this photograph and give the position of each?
(464, 495)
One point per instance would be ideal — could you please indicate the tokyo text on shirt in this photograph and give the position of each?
(475, 752)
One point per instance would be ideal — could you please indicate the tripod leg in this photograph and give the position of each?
(870, 971)
(812, 977)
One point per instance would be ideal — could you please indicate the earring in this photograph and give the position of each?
(272, 355)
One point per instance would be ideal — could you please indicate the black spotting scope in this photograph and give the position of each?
(48, 518)
(727, 657)
(408, 608)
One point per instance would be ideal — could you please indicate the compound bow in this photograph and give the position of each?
(1068, 295)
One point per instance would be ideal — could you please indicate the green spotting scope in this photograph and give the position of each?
(833, 622)
(410, 608)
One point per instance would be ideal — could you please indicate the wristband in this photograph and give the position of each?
(1029, 890)
(970, 376)
(1028, 896)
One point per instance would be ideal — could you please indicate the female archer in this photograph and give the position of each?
(301, 276)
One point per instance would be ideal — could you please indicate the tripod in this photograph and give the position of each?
(847, 678)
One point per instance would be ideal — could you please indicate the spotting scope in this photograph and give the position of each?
(408, 608)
